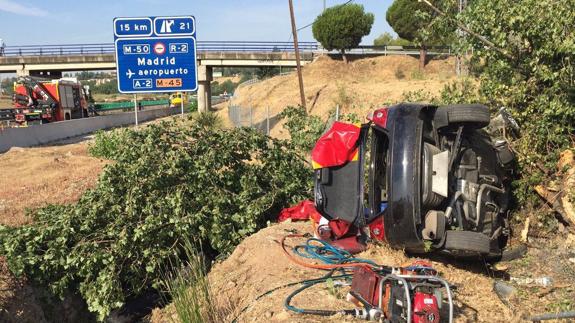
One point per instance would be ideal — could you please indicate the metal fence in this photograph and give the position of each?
(259, 119)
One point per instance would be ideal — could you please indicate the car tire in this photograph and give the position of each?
(467, 242)
(471, 115)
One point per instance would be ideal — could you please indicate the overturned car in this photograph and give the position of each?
(421, 177)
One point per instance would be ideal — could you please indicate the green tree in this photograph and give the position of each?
(529, 68)
(416, 22)
(342, 27)
(387, 39)
(267, 72)
(106, 88)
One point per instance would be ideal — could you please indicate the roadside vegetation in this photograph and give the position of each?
(168, 182)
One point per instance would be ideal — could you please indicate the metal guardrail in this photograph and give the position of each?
(202, 46)
(123, 105)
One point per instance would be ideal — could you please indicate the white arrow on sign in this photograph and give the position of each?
(129, 73)
(166, 26)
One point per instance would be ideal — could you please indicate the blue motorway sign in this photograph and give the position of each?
(156, 54)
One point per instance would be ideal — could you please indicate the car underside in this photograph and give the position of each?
(431, 176)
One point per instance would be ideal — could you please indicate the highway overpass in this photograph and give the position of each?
(51, 60)
(43, 59)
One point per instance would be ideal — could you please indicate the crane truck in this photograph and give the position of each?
(44, 101)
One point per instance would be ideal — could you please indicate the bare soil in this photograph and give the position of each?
(5, 102)
(259, 265)
(34, 177)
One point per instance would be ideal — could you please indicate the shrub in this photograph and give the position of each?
(459, 92)
(417, 96)
(399, 74)
(107, 144)
(170, 181)
(304, 129)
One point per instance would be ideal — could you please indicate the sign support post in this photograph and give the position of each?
(136, 108)
(182, 104)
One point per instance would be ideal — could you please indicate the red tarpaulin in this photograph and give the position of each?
(337, 146)
(306, 210)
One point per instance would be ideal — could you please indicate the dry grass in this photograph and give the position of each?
(33, 177)
(357, 87)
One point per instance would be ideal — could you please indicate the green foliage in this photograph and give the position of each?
(193, 106)
(169, 181)
(536, 83)
(208, 120)
(414, 21)
(267, 72)
(7, 86)
(105, 88)
(417, 96)
(107, 144)
(459, 92)
(227, 86)
(342, 27)
(303, 128)
(387, 39)
(350, 118)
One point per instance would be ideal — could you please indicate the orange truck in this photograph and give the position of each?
(44, 101)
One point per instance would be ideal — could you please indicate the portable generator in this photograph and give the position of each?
(412, 294)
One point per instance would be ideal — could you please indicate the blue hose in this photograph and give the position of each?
(327, 253)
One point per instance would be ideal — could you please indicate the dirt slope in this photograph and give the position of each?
(356, 87)
(258, 265)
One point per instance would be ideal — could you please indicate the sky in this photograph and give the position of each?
(38, 22)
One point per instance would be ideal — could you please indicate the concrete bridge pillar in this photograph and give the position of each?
(204, 88)
(22, 72)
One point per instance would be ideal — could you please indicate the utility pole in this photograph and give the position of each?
(297, 58)
(323, 5)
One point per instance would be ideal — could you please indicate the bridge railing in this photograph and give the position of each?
(220, 46)
(202, 46)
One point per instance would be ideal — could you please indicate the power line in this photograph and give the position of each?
(306, 26)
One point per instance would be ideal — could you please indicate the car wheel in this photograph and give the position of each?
(466, 242)
(471, 115)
